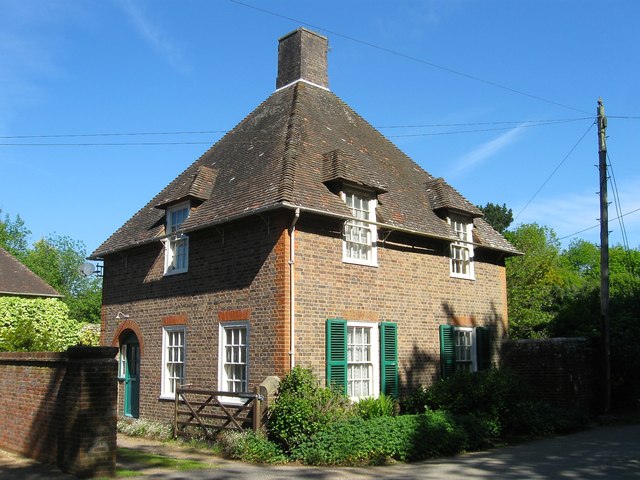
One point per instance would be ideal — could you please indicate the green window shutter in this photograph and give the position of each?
(389, 359)
(336, 347)
(447, 350)
(483, 348)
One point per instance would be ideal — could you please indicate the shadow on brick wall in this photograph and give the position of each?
(75, 424)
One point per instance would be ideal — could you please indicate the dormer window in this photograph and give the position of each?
(461, 260)
(360, 236)
(176, 253)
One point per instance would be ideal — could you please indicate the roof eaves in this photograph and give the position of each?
(25, 294)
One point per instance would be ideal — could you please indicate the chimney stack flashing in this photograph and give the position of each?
(302, 56)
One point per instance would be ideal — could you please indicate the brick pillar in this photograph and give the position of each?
(89, 391)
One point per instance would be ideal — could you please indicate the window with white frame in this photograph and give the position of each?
(461, 260)
(464, 349)
(173, 361)
(362, 360)
(360, 236)
(234, 353)
(465, 346)
(176, 258)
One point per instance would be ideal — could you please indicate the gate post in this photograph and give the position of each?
(175, 415)
(257, 410)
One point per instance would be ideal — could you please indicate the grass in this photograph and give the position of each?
(136, 462)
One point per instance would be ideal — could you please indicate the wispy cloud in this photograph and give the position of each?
(577, 215)
(485, 151)
(152, 33)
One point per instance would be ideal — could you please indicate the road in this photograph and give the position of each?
(608, 452)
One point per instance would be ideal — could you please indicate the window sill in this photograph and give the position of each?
(463, 277)
(174, 272)
(360, 262)
(167, 398)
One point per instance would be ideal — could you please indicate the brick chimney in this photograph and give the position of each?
(302, 55)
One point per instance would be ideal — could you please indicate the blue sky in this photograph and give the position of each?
(494, 96)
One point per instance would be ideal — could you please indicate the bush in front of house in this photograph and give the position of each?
(498, 402)
(383, 406)
(303, 407)
(376, 441)
(249, 446)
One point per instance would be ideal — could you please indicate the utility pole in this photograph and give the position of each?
(604, 253)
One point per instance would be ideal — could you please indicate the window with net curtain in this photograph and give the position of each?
(176, 244)
(234, 358)
(359, 235)
(173, 359)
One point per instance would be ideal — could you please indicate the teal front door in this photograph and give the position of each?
(130, 368)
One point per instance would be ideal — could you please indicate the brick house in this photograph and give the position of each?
(302, 237)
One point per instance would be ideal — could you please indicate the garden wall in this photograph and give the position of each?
(60, 408)
(561, 370)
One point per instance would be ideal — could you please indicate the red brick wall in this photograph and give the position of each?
(60, 408)
(561, 371)
(235, 271)
(243, 269)
(410, 286)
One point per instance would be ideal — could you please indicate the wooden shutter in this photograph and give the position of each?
(447, 350)
(483, 348)
(336, 353)
(389, 359)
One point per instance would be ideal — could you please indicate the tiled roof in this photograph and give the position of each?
(16, 279)
(444, 197)
(284, 153)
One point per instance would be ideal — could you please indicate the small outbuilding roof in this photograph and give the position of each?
(17, 280)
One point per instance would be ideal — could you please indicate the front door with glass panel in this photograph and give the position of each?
(130, 373)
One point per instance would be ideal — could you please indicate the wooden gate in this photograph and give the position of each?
(213, 411)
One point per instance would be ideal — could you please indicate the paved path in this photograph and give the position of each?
(611, 452)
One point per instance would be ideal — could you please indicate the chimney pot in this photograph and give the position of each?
(302, 55)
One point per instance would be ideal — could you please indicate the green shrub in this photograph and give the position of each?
(375, 441)
(415, 402)
(249, 446)
(503, 403)
(36, 324)
(303, 407)
(383, 406)
(492, 395)
(89, 334)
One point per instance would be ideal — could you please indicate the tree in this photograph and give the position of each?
(531, 280)
(499, 217)
(14, 235)
(56, 260)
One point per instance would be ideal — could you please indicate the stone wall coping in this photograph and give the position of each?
(56, 357)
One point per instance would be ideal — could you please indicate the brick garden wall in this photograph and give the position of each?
(561, 370)
(59, 408)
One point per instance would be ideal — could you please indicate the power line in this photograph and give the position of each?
(522, 124)
(596, 226)
(510, 122)
(475, 130)
(554, 171)
(617, 204)
(412, 58)
(112, 134)
(121, 144)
